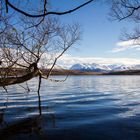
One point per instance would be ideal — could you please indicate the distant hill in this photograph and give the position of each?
(126, 72)
(71, 72)
(77, 72)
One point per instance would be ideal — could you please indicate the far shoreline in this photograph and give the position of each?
(65, 72)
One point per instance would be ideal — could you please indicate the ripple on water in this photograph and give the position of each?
(83, 107)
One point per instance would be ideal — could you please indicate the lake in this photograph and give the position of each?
(81, 108)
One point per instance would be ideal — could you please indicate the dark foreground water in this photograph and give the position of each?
(81, 108)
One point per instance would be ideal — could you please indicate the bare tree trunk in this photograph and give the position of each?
(17, 80)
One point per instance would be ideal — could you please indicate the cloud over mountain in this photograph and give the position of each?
(68, 61)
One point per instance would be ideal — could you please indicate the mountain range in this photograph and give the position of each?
(93, 67)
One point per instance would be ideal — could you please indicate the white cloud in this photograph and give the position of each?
(119, 49)
(125, 45)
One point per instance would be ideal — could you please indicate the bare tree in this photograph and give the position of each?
(24, 45)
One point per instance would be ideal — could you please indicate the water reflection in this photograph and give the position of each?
(36, 125)
(87, 106)
(25, 127)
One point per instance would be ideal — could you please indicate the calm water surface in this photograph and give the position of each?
(81, 108)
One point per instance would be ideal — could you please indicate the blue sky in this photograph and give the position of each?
(100, 35)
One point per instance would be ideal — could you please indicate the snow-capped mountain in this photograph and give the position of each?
(103, 68)
(137, 67)
(121, 67)
(90, 67)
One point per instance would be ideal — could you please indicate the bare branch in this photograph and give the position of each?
(26, 88)
(127, 10)
(47, 13)
(54, 80)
